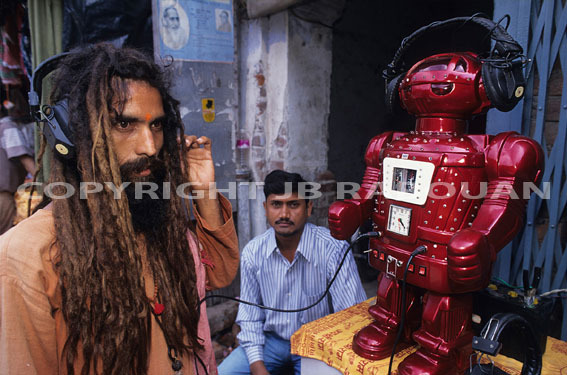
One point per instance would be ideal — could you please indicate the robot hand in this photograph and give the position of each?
(344, 219)
(469, 259)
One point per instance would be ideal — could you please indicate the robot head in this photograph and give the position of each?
(445, 85)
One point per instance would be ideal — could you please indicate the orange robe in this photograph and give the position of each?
(32, 328)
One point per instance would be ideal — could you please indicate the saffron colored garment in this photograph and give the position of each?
(32, 328)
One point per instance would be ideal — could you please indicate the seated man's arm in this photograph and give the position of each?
(347, 288)
(250, 318)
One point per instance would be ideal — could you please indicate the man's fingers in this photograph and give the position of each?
(204, 141)
(191, 141)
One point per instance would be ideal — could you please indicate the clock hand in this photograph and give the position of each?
(400, 220)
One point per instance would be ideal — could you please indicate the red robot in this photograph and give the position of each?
(458, 195)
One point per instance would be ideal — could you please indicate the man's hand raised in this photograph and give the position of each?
(201, 175)
(199, 157)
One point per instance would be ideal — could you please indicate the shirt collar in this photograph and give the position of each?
(303, 248)
(271, 245)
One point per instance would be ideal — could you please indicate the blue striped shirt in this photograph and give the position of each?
(268, 278)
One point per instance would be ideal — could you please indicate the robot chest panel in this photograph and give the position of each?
(451, 200)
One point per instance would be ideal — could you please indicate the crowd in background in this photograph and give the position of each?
(16, 126)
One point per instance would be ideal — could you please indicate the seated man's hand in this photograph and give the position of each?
(258, 368)
(344, 218)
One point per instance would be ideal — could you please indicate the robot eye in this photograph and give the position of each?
(439, 67)
(441, 88)
(461, 66)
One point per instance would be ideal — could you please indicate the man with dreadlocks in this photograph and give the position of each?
(102, 282)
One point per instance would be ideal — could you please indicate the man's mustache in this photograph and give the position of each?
(130, 168)
(285, 221)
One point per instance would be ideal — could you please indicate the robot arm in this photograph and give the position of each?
(346, 216)
(511, 161)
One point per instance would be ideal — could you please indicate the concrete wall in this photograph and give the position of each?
(285, 74)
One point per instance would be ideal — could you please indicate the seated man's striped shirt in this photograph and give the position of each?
(268, 278)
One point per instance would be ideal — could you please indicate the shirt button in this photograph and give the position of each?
(287, 320)
(289, 294)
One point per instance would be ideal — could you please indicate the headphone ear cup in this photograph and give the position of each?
(504, 86)
(61, 112)
(57, 131)
(392, 98)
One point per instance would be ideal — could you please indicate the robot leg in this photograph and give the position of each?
(445, 337)
(376, 340)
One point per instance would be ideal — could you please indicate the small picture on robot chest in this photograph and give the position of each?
(399, 220)
(404, 180)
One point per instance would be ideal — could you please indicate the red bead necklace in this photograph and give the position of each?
(156, 306)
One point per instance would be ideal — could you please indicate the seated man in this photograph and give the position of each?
(288, 267)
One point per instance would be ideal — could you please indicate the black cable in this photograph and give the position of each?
(365, 235)
(419, 250)
(196, 357)
(176, 364)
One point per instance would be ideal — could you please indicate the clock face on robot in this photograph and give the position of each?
(399, 220)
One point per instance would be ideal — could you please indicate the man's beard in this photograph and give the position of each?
(148, 215)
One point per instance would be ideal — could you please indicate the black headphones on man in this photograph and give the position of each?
(501, 71)
(56, 117)
(488, 343)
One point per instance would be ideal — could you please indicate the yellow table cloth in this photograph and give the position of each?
(329, 339)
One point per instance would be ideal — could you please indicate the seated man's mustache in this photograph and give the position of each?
(284, 221)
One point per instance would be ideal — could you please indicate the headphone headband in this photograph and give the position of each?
(505, 45)
(492, 331)
(56, 117)
(42, 70)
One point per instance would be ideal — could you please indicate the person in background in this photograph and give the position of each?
(224, 23)
(287, 267)
(16, 152)
(174, 35)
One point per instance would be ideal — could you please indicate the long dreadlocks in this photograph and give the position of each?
(100, 266)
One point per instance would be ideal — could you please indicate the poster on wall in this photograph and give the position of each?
(194, 30)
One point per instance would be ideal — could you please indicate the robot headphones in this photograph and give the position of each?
(488, 344)
(501, 71)
(56, 117)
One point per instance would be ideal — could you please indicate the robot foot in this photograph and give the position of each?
(423, 362)
(376, 342)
